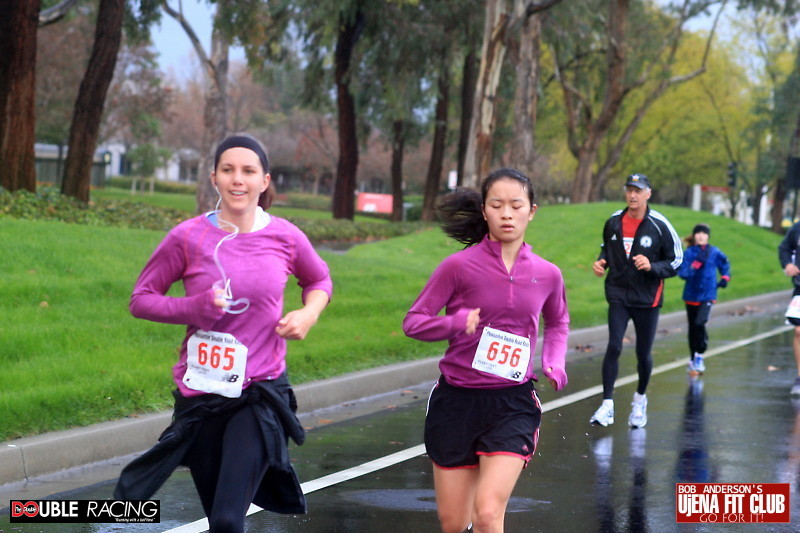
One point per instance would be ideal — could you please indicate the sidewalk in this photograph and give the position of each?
(22, 461)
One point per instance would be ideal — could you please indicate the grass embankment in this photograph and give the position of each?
(72, 355)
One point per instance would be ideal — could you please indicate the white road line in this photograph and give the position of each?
(410, 453)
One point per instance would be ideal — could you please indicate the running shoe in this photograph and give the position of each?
(699, 365)
(796, 387)
(604, 415)
(638, 417)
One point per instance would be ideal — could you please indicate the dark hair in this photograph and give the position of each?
(245, 140)
(461, 211)
(699, 228)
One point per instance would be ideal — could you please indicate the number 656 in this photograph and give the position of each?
(503, 349)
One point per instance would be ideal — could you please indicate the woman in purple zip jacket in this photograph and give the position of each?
(234, 405)
(483, 418)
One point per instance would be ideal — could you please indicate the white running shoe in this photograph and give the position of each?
(604, 414)
(796, 387)
(638, 417)
(699, 365)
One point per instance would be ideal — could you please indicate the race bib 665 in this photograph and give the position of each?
(215, 363)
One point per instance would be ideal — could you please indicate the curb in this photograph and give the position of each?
(27, 458)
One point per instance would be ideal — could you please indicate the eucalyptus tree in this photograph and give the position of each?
(60, 48)
(772, 28)
(451, 30)
(784, 139)
(393, 88)
(500, 25)
(18, 24)
(336, 35)
(215, 117)
(259, 27)
(88, 111)
(617, 49)
(113, 17)
(689, 135)
(19, 20)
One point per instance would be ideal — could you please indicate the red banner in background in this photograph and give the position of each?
(747, 503)
(371, 202)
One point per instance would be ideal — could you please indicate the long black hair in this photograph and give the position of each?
(461, 212)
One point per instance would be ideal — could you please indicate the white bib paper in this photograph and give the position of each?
(627, 242)
(215, 363)
(793, 311)
(502, 354)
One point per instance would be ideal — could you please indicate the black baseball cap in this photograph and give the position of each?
(638, 180)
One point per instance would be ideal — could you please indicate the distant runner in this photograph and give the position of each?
(640, 249)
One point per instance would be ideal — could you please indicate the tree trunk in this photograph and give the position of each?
(18, 23)
(526, 97)
(478, 158)
(398, 147)
(777, 206)
(434, 177)
(582, 185)
(85, 127)
(469, 82)
(347, 166)
(215, 117)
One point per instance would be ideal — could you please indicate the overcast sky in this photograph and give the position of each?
(173, 46)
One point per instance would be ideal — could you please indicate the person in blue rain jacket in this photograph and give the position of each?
(701, 263)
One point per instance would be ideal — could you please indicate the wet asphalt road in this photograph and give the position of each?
(736, 423)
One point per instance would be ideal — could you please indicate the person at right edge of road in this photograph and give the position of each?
(787, 253)
(640, 250)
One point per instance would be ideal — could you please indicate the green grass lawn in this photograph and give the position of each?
(73, 355)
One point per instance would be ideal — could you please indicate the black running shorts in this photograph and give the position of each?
(462, 423)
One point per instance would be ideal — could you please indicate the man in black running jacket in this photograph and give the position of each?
(640, 250)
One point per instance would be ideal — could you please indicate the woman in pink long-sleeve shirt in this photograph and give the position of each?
(483, 416)
(234, 407)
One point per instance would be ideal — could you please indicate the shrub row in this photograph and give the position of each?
(49, 204)
(125, 182)
(337, 230)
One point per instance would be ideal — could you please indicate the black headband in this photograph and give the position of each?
(241, 141)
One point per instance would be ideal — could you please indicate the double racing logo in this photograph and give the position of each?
(86, 511)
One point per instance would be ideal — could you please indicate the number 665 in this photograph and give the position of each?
(204, 357)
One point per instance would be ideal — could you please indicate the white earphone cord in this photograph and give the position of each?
(225, 281)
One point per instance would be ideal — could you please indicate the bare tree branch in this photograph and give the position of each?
(55, 13)
(196, 44)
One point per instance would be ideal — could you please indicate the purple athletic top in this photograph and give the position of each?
(258, 265)
(511, 302)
